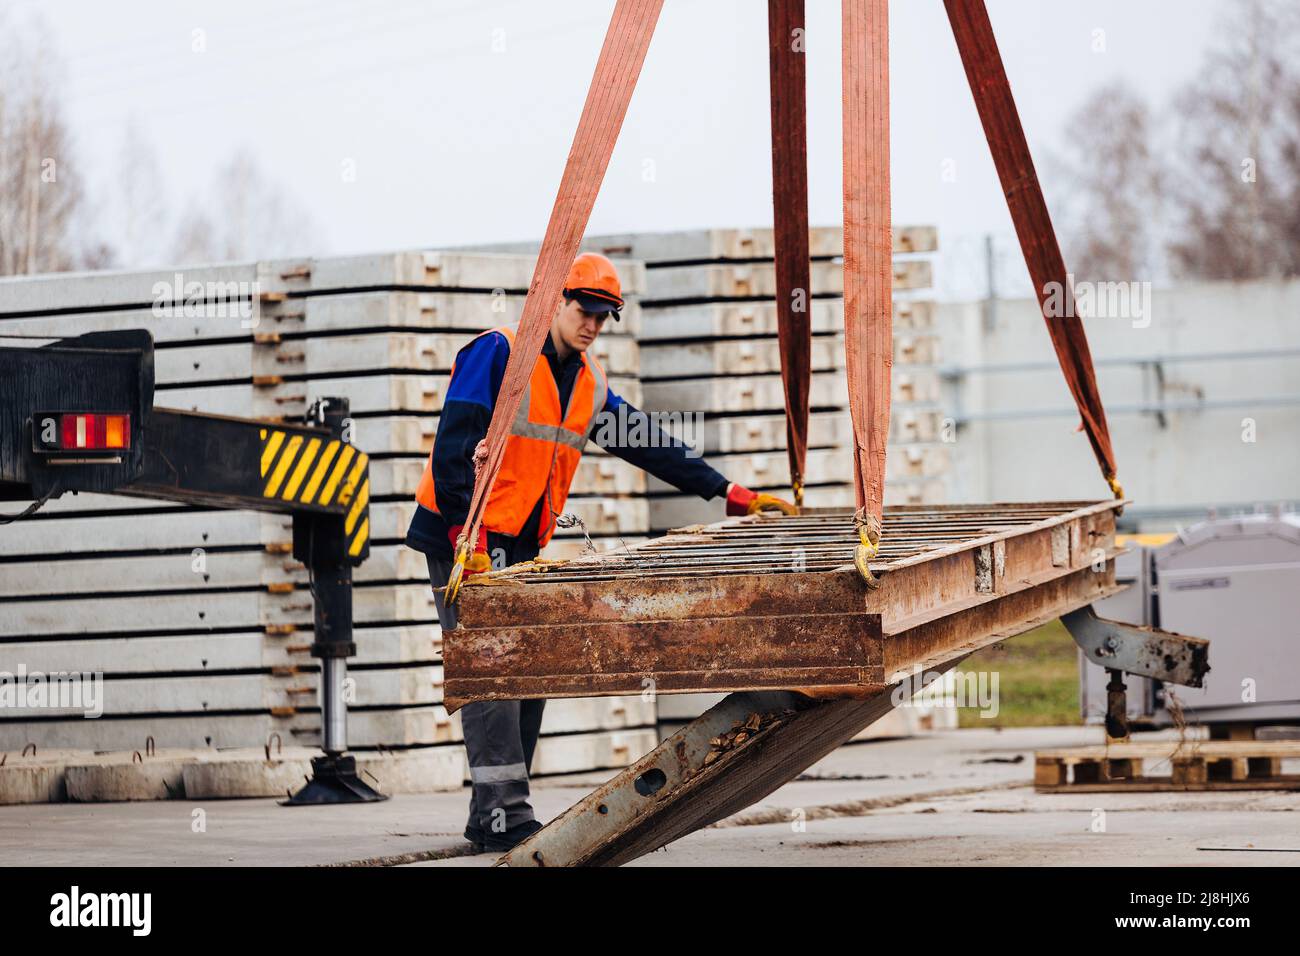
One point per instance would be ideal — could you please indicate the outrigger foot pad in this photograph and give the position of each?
(334, 780)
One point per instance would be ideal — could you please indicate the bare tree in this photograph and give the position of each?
(49, 221)
(137, 213)
(1236, 183)
(247, 216)
(1211, 190)
(42, 200)
(1111, 202)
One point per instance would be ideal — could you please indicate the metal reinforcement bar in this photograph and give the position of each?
(774, 603)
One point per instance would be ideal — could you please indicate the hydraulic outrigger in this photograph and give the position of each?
(77, 415)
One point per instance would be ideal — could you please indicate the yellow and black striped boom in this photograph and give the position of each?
(240, 463)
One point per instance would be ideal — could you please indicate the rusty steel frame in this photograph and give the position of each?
(771, 602)
(676, 789)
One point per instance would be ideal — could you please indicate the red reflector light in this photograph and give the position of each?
(94, 432)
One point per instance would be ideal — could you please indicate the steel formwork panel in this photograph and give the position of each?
(773, 602)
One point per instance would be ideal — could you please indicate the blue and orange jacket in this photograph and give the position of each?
(540, 458)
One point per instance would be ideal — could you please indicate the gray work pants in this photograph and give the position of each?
(500, 737)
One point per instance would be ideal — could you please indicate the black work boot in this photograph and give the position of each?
(504, 842)
(475, 837)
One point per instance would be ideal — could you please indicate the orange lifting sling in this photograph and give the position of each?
(868, 238)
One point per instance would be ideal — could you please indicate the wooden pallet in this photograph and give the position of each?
(1194, 765)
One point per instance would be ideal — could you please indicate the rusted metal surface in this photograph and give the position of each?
(665, 655)
(817, 539)
(669, 792)
(769, 602)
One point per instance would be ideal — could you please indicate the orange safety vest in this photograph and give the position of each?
(542, 450)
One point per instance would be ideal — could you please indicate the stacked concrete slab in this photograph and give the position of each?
(709, 344)
(199, 619)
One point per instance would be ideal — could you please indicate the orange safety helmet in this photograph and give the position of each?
(593, 282)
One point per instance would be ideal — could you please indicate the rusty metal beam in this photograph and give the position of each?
(701, 640)
(772, 602)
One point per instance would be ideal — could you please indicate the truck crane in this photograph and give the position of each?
(77, 415)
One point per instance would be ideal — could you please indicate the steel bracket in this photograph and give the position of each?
(1145, 651)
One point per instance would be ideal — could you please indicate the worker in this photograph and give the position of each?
(558, 414)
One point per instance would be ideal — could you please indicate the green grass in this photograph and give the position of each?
(1038, 680)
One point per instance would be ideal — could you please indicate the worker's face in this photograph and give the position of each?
(576, 328)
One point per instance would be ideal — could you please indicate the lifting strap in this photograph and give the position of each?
(1006, 137)
(868, 260)
(786, 58)
(617, 69)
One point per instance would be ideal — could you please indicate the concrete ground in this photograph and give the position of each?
(956, 797)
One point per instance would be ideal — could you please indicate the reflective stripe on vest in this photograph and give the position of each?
(525, 428)
(530, 472)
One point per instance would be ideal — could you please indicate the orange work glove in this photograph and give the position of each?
(742, 501)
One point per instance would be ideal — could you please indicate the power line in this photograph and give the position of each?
(426, 58)
(154, 71)
(307, 10)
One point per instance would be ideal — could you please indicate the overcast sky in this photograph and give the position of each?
(457, 115)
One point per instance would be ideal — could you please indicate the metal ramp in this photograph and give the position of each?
(671, 792)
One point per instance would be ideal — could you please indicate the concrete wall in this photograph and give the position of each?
(1230, 356)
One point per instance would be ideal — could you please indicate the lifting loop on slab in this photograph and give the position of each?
(868, 528)
(796, 486)
(1117, 489)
